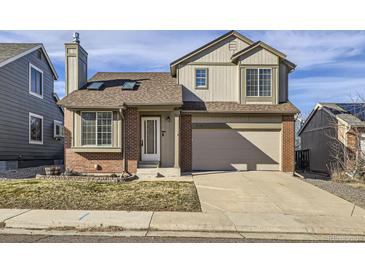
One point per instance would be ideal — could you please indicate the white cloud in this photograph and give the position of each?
(313, 48)
(311, 90)
(59, 88)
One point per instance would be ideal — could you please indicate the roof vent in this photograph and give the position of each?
(95, 86)
(129, 85)
(232, 46)
(76, 38)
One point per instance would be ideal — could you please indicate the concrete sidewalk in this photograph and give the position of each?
(183, 223)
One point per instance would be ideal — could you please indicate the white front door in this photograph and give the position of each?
(150, 135)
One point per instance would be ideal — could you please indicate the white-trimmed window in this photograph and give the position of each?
(35, 129)
(258, 82)
(35, 81)
(57, 129)
(96, 128)
(201, 78)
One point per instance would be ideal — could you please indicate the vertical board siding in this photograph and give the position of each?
(15, 105)
(226, 79)
(261, 57)
(222, 84)
(219, 52)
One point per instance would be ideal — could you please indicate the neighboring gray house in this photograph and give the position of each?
(329, 124)
(31, 122)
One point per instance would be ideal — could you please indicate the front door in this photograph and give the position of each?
(150, 133)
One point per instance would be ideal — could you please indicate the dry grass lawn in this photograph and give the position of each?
(139, 196)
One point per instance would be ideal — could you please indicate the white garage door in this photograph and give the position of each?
(228, 149)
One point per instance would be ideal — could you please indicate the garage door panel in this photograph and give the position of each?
(227, 149)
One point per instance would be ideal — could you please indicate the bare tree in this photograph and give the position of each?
(346, 142)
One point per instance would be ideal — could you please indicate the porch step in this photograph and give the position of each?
(149, 173)
(148, 164)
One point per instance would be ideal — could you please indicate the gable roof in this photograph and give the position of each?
(352, 114)
(263, 45)
(153, 88)
(208, 45)
(10, 52)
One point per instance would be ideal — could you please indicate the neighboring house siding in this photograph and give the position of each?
(15, 105)
(317, 136)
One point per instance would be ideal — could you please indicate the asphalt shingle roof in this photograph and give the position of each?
(352, 113)
(153, 88)
(229, 107)
(9, 50)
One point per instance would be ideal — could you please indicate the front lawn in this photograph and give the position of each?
(139, 196)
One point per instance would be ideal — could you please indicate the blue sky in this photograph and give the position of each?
(331, 64)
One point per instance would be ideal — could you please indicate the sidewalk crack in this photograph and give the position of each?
(149, 224)
(21, 213)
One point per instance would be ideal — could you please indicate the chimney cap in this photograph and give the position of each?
(76, 38)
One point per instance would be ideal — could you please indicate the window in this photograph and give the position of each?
(258, 82)
(57, 129)
(35, 129)
(201, 78)
(35, 81)
(96, 128)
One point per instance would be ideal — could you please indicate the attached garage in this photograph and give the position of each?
(236, 146)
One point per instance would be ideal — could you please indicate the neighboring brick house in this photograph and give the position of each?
(223, 106)
(330, 128)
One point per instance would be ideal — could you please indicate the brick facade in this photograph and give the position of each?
(87, 162)
(186, 142)
(288, 144)
(132, 128)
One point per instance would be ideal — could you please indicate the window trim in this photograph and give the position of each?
(29, 128)
(56, 122)
(96, 131)
(258, 82)
(206, 78)
(30, 81)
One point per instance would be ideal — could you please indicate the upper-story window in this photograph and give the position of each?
(258, 82)
(35, 81)
(201, 78)
(96, 128)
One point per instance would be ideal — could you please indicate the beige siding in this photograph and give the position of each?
(237, 119)
(259, 57)
(283, 83)
(219, 52)
(222, 83)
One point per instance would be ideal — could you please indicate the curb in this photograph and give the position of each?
(244, 236)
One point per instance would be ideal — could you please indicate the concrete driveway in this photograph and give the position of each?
(267, 192)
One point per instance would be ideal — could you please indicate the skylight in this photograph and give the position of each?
(95, 85)
(129, 85)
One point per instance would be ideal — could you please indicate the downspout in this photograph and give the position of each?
(125, 167)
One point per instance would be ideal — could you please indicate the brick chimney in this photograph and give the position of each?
(75, 65)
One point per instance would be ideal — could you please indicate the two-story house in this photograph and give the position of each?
(223, 106)
(31, 122)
